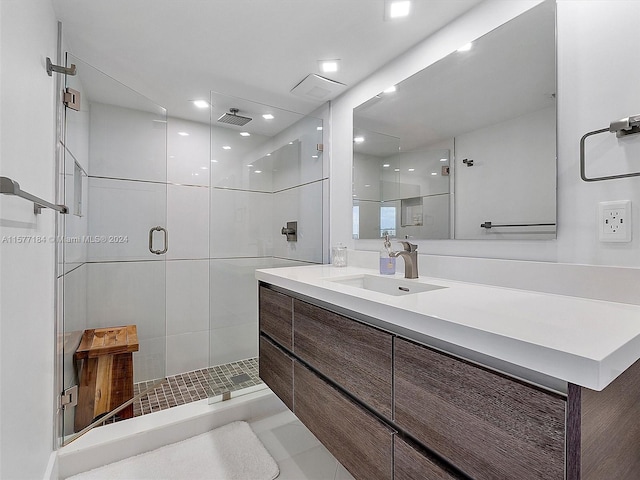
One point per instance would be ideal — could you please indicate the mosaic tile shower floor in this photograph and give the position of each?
(196, 385)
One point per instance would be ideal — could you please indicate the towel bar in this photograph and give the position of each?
(11, 187)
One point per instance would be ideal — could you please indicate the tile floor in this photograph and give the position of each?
(197, 385)
(298, 453)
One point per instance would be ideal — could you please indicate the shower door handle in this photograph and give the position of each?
(166, 240)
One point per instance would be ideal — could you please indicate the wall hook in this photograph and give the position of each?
(468, 162)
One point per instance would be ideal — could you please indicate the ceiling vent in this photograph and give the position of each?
(232, 118)
(317, 88)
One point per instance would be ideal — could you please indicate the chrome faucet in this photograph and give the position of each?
(410, 257)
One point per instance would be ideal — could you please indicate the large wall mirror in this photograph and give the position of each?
(466, 148)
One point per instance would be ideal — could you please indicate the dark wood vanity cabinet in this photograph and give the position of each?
(355, 356)
(360, 441)
(275, 316)
(388, 407)
(276, 370)
(490, 426)
(410, 464)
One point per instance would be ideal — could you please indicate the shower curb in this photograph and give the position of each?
(121, 440)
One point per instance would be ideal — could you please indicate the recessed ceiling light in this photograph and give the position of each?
(314, 156)
(204, 168)
(412, 169)
(466, 47)
(358, 139)
(214, 161)
(386, 165)
(258, 171)
(434, 173)
(396, 169)
(319, 128)
(391, 89)
(290, 143)
(328, 66)
(183, 134)
(245, 134)
(200, 103)
(399, 8)
(354, 195)
(267, 116)
(268, 155)
(444, 159)
(367, 185)
(250, 165)
(226, 147)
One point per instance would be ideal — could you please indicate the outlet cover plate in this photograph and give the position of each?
(614, 221)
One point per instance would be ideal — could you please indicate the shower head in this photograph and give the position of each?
(233, 118)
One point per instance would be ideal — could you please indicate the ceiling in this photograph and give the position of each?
(174, 51)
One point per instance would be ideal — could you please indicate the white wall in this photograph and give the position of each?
(28, 34)
(588, 67)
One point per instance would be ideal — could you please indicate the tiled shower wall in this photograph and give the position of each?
(217, 237)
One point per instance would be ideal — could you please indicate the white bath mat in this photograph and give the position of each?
(232, 452)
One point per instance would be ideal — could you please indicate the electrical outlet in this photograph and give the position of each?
(614, 221)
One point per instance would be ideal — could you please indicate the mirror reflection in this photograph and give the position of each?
(466, 148)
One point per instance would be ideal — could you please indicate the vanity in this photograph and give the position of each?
(438, 379)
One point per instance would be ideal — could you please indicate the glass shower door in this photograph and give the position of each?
(267, 169)
(113, 246)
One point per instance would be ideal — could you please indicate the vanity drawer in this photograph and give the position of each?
(353, 355)
(486, 424)
(276, 316)
(357, 439)
(410, 464)
(276, 370)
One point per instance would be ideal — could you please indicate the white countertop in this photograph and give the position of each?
(575, 340)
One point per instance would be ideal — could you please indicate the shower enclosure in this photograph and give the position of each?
(168, 220)
(113, 272)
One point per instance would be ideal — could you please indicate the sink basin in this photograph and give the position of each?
(386, 285)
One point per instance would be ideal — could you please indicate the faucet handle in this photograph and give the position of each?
(408, 247)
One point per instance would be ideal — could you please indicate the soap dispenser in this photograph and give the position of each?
(387, 262)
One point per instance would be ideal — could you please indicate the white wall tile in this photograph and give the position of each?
(120, 208)
(241, 224)
(230, 167)
(303, 204)
(187, 296)
(230, 344)
(76, 227)
(127, 143)
(188, 222)
(187, 352)
(188, 160)
(75, 299)
(126, 293)
(149, 362)
(234, 298)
